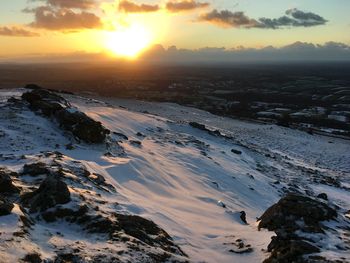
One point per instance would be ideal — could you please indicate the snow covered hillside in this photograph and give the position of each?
(168, 184)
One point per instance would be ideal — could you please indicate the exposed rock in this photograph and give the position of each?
(82, 126)
(285, 250)
(290, 216)
(239, 247)
(135, 143)
(51, 192)
(53, 105)
(198, 126)
(236, 151)
(34, 169)
(121, 135)
(6, 185)
(293, 207)
(32, 86)
(5, 206)
(137, 227)
(323, 196)
(243, 217)
(32, 258)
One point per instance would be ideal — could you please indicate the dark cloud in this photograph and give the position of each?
(16, 32)
(131, 7)
(78, 4)
(63, 19)
(227, 18)
(292, 18)
(186, 5)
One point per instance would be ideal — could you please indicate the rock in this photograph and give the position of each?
(135, 143)
(32, 86)
(41, 99)
(323, 196)
(32, 258)
(5, 206)
(6, 185)
(243, 217)
(34, 169)
(239, 247)
(289, 251)
(292, 208)
(121, 135)
(289, 217)
(236, 151)
(198, 126)
(82, 126)
(139, 134)
(53, 105)
(51, 192)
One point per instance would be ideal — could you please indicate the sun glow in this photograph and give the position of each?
(129, 41)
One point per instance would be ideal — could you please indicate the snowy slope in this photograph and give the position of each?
(187, 181)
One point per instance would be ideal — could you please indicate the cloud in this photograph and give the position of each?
(16, 32)
(292, 18)
(131, 7)
(185, 5)
(78, 4)
(227, 18)
(295, 52)
(63, 19)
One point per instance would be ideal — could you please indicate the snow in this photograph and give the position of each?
(179, 176)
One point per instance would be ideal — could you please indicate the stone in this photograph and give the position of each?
(34, 169)
(5, 206)
(51, 192)
(6, 184)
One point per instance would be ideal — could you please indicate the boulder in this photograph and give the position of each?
(82, 126)
(285, 250)
(34, 169)
(323, 196)
(290, 216)
(294, 207)
(32, 258)
(51, 192)
(6, 185)
(5, 206)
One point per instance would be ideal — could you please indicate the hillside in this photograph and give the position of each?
(165, 183)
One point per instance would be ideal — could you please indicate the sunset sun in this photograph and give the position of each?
(128, 42)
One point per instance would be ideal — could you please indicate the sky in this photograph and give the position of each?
(128, 28)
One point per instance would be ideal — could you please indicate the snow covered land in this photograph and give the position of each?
(182, 176)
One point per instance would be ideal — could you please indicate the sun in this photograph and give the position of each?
(128, 42)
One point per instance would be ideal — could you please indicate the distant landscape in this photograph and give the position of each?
(310, 97)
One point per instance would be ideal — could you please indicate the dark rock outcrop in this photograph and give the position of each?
(6, 185)
(5, 206)
(82, 126)
(291, 215)
(323, 196)
(292, 208)
(32, 258)
(34, 169)
(52, 105)
(287, 250)
(51, 192)
(134, 226)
